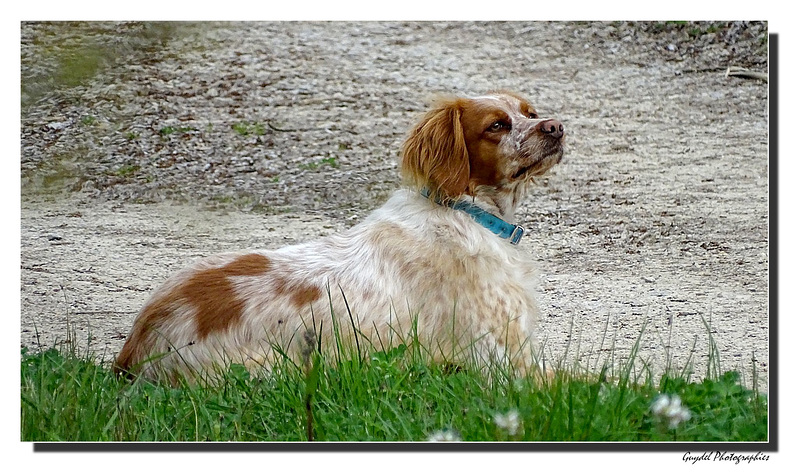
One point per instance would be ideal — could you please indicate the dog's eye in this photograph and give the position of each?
(499, 125)
(533, 115)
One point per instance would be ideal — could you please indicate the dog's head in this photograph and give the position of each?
(494, 140)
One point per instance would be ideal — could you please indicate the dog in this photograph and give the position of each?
(438, 262)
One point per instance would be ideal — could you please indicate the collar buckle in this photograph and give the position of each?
(517, 234)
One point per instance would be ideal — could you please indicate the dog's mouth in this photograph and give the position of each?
(522, 171)
(540, 165)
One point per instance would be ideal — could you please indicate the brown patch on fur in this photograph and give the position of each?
(299, 294)
(210, 292)
(367, 295)
(305, 295)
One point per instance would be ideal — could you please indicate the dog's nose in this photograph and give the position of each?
(552, 127)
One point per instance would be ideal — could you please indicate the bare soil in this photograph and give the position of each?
(145, 146)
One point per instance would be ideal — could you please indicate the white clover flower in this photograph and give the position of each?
(660, 404)
(669, 409)
(444, 435)
(508, 422)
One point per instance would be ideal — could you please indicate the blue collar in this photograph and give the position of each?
(490, 221)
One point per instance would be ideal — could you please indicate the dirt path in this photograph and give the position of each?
(173, 142)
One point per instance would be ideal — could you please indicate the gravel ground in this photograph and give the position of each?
(145, 146)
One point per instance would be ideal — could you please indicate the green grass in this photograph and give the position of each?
(169, 130)
(391, 395)
(246, 128)
(331, 161)
(127, 171)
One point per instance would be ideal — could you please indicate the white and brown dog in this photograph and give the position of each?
(439, 259)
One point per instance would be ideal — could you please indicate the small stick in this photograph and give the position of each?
(746, 73)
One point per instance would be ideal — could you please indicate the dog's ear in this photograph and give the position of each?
(435, 154)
